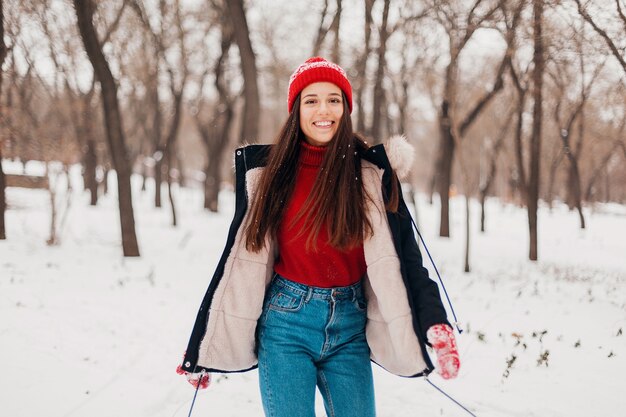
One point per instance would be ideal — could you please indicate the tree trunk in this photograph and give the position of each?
(90, 162)
(483, 197)
(552, 178)
(115, 133)
(212, 185)
(574, 185)
(519, 156)
(3, 234)
(602, 166)
(181, 179)
(607, 185)
(170, 146)
(215, 146)
(105, 181)
(467, 233)
(415, 206)
(535, 141)
(485, 186)
(252, 108)
(444, 167)
(169, 189)
(144, 174)
(52, 240)
(577, 193)
(3, 54)
(432, 185)
(158, 177)
(379, 92)
(158, 155)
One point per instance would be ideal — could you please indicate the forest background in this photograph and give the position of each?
(118, 124)
(522, 100)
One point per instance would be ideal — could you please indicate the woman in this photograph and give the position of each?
(321, 273)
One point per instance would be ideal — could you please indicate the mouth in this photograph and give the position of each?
(323, 124)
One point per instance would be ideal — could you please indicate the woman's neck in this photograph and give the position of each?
(312, 155)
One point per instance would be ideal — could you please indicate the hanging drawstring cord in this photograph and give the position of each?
(195, 394)
(449, 397)
(456, 321)
(193, 401)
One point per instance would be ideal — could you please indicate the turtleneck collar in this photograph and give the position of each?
(311, 155)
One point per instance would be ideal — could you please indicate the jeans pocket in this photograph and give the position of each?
(360, 303)
(284, 301)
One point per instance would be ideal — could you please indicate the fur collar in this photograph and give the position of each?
(401, 155)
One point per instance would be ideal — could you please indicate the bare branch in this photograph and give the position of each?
(321, 31)
(498, 83)
(111, 29)
(403, 21)
(480, 105)
(472, 25)
(602, 33)
(621, 13)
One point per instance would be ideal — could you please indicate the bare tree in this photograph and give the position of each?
(80, 103)
(215, 131)
(452, 128)
(252, 107)
(168, 39)
(602, 167)
(566, 127)
(177, 88)
(85, 10)
(493, 152)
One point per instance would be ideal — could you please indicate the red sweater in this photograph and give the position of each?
(326, 266)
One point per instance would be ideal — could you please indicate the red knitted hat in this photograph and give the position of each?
(315, 70)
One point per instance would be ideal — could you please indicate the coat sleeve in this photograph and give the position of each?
(423, 292)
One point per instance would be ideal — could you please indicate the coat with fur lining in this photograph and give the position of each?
(403, 302)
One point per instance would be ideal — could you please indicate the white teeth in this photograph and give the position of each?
(323, 124)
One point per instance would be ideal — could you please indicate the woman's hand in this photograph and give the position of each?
(442, 340)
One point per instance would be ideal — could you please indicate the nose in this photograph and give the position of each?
(323, 107)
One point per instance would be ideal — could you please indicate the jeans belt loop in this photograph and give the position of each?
(309, 294)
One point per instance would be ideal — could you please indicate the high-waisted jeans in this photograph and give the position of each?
(308, 337)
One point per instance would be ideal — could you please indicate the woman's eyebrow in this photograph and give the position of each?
(315, 95)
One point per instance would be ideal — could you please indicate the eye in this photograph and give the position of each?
(335, 100)
(309, 101)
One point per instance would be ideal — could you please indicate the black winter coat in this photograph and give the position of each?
(403, 302)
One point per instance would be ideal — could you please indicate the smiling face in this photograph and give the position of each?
(321, 108)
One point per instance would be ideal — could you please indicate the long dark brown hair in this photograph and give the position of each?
(337, 200)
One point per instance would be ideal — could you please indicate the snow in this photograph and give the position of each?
(85, 332)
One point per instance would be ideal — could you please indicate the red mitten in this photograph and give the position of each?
(199, 380)
(442, 340)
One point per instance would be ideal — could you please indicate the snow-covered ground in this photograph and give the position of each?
(85, 332)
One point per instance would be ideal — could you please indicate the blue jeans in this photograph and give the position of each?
(308, 337)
